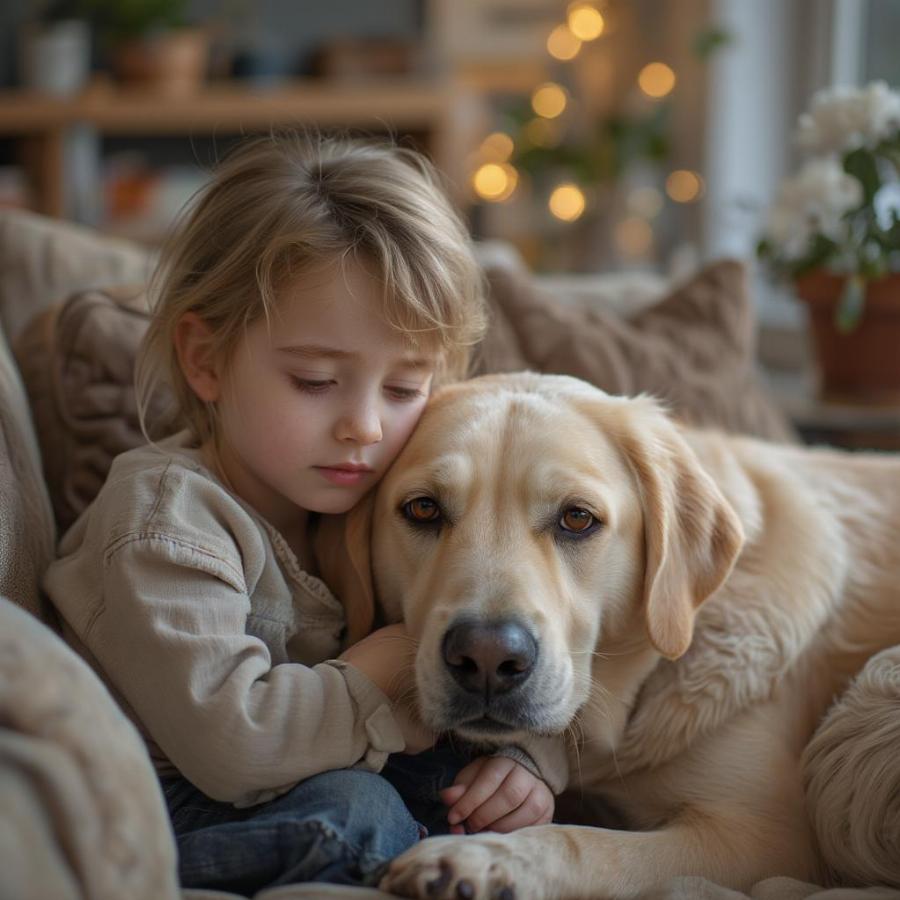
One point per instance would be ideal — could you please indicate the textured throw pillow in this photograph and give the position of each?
(694, 349)
(77, 361)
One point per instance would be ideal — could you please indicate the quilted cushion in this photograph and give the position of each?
(77, 361)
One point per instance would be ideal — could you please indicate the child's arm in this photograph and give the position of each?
(174, 639)
(387, 658)
(497, 793)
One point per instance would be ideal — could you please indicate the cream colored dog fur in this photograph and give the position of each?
(695, 603)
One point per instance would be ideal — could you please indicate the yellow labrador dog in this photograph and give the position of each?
(680, 606)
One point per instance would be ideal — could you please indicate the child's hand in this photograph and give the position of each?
(496, 793)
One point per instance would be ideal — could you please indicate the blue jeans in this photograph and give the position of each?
(340, 827)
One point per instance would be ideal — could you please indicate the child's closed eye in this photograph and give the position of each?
(311, 385)
(396, 392)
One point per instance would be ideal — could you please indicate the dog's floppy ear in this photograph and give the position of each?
(692, 534)
(342, 546)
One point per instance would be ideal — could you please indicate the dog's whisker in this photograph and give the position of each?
(605, 654)
(575, 744)
(398, 677)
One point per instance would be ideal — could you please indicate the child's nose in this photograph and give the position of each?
(361, 425)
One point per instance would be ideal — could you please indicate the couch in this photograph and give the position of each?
(81, 813)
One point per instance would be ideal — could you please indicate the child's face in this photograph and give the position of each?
(316, 404)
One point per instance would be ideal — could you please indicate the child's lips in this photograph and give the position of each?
(345, 474)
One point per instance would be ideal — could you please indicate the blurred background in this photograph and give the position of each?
(588, 136)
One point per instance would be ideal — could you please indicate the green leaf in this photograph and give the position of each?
(891, 152)
(863, 166)
(821, 251)
(710, 40)
(850, 306)
(891, 240)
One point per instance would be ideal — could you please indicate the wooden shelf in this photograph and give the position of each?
(449, 115)
(129, 111)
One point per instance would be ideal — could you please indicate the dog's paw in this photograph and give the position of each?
(476, 867)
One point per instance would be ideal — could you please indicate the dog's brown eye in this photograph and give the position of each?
(576, 520)
(422, 509)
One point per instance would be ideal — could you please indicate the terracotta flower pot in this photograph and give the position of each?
(861, 365)
(171, 62)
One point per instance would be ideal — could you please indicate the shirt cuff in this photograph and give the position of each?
(374, 715)
(521, 757)
(546, 758)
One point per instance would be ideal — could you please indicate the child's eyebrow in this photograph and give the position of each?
(310, 351)
(415, 362)
(317, 351)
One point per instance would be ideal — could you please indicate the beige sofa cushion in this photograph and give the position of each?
(81, 811)
(43, 261)
(27, 531)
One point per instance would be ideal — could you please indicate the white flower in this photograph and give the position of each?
(887, 205)
(812, 202)
(844, 118)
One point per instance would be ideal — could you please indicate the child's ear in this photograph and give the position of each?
(194, 346)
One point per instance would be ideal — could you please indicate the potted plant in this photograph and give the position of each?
(834, 231)
(150, 44)
(55, 48)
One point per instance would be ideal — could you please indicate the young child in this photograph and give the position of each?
(307, 303)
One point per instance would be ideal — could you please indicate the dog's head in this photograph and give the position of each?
(530, 523)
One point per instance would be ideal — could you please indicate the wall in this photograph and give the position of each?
(782, 53)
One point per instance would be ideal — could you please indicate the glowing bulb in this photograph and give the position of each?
(549, 100)
(495, 182)
(684, 186)
(567, 202)
(656, 80)
(585, 21)
(497, 147)
(562, 44)
(633, 237)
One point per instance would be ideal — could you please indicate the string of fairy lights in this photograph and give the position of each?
(495, 178)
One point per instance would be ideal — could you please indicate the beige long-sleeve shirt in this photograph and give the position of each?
(198, 617)
(220, 647)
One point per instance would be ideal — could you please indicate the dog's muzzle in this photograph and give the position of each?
(490, 663)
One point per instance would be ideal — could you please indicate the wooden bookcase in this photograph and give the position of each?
(448, 116)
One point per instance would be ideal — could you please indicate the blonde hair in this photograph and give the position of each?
(282, 204)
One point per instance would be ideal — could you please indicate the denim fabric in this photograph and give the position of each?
(418, 779)
(340, 827)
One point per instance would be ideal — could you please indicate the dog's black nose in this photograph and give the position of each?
(489, 657)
